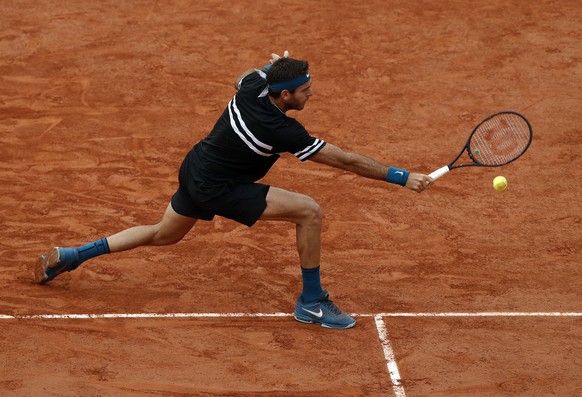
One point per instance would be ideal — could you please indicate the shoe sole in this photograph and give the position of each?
(48, 261)
(306, 320)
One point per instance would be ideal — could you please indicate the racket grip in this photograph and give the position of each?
(440, 172)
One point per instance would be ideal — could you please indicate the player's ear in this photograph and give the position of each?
(286, 95)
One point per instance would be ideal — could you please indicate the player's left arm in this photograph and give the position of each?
(241, 77)
(274, 57)
(365, 166)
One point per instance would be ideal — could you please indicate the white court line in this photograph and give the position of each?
(389, 356)
(140, 315)
(226, 315)
(483, 314)
(378, 319)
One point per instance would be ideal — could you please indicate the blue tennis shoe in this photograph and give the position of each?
(322, 311)
(55, 262)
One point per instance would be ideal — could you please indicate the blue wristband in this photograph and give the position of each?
(397, 176)
(267, 67)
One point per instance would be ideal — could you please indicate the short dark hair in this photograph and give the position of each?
(284, 69)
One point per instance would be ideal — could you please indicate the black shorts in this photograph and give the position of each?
(244, 203)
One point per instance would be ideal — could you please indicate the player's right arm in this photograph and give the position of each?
(365, 166)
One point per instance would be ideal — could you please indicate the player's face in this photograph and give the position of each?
(299, 98)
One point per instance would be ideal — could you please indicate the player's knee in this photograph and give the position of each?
(313, 212)
(163, 237)
(169, 240)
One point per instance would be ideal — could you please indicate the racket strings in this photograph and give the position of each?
(500, 140)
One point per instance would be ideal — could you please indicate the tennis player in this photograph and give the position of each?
(219, 177)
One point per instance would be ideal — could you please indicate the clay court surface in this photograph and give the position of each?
(458, 291)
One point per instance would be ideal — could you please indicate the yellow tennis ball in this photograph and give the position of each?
(499, 183)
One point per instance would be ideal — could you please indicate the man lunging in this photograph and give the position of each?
(219, 177)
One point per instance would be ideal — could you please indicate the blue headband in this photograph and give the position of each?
(290, 84)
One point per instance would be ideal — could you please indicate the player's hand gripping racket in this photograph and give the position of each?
(497, 140)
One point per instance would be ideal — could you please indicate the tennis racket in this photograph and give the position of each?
(497, 140)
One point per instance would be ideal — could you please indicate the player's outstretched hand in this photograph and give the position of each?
(418, 182)
(274, 56)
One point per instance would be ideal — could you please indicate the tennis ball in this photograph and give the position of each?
(477, 151)
(499, 183)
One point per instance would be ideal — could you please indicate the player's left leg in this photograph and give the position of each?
(171, 229)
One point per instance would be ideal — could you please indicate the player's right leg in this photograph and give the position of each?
(171, 229)
(306, 214)
(313, 305)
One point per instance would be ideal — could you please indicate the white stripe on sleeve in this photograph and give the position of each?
(309, 150)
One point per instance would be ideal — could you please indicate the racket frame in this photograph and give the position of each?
(467, 147)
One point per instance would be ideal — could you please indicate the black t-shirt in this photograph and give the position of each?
(248, 138)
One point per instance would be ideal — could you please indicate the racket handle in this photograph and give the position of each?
(440, 172)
